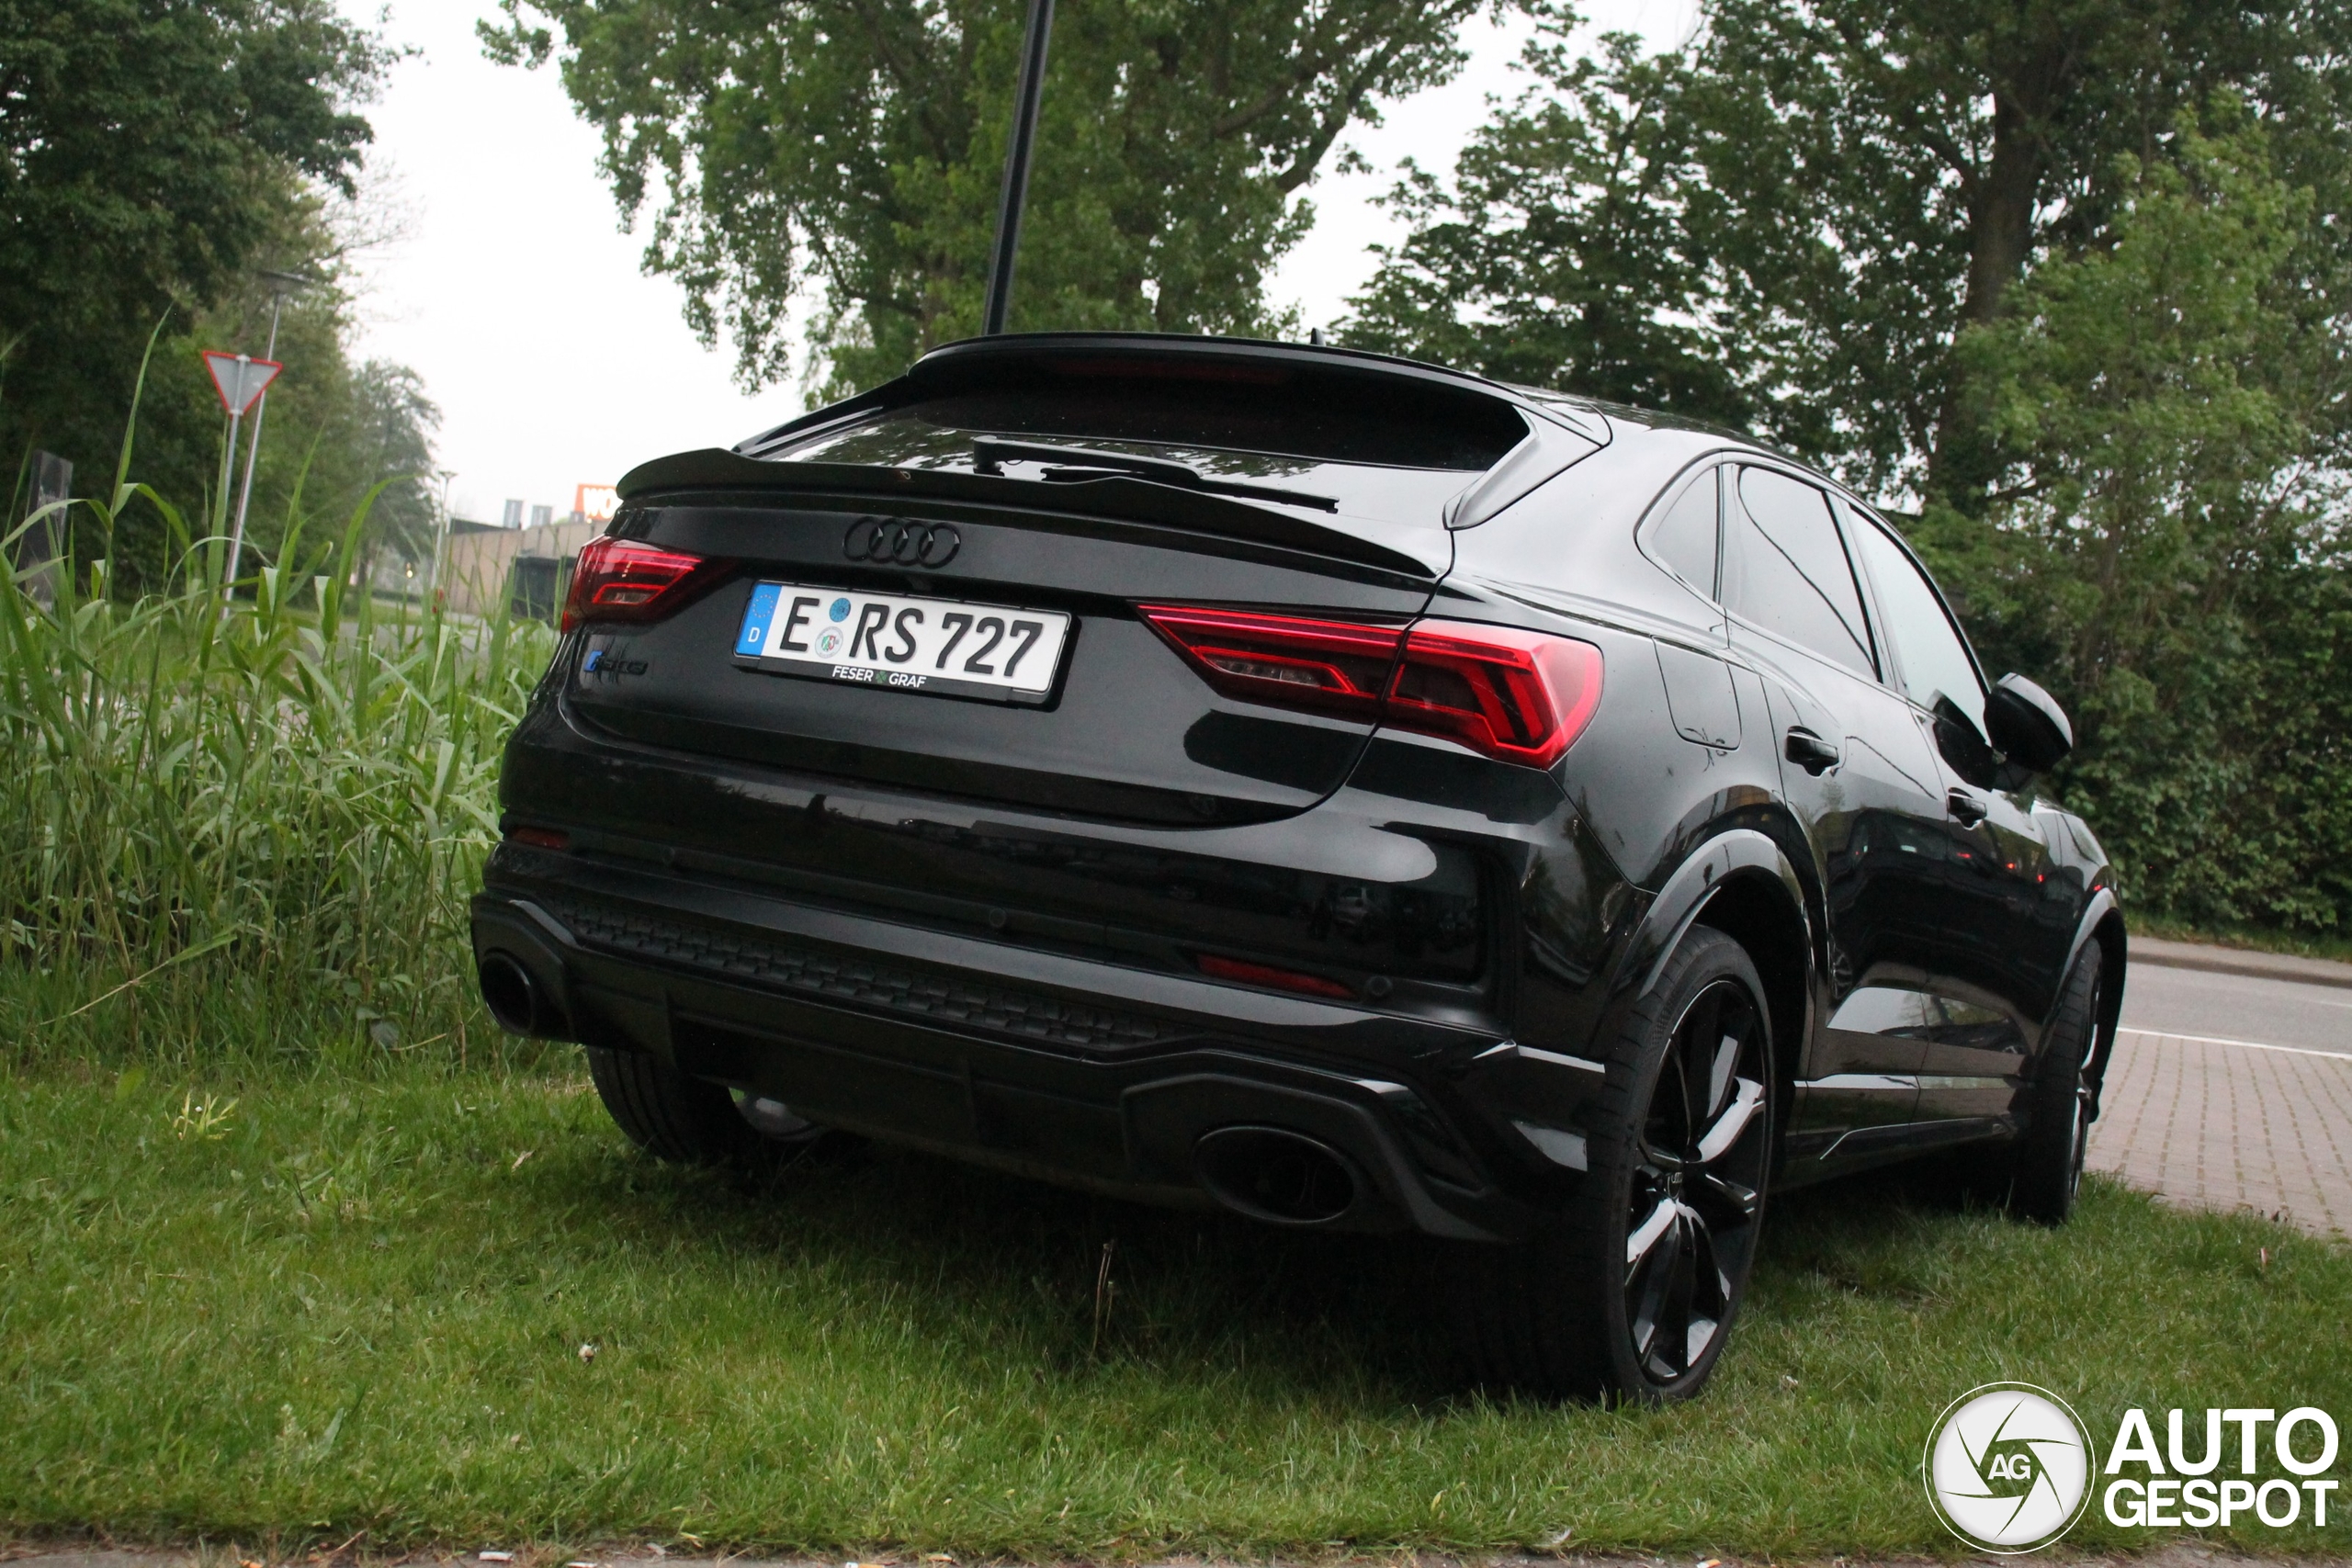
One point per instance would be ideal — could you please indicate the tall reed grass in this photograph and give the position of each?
(243, 825)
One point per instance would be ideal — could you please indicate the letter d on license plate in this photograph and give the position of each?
(935, 647)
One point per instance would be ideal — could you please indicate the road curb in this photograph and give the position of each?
(2240, 961)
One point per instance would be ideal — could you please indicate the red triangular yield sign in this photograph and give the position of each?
(239, 379)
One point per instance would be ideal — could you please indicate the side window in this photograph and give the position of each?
(1935, 661)
(1785, 569)
(1685, 538)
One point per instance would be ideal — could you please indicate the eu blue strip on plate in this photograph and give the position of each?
(756, 619)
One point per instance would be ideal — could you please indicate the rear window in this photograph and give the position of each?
(1379, 446)
(1335, 415)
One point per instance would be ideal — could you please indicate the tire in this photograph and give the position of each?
(671, 1116)
(2044, 1165)
(1629, 1295)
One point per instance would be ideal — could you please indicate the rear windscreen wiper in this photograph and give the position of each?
(1079, 463)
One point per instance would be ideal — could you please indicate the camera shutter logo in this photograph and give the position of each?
(2009, 1467)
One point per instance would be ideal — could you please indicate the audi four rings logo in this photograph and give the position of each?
(885, 540)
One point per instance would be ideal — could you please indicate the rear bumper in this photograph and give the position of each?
(1063, 1068)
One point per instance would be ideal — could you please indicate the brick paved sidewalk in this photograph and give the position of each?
(2216, 1126)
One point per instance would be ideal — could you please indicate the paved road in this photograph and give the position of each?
(2238, 1007)
(2228, 1091)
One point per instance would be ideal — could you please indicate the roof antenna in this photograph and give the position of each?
(1315, 336)
(1016, 166)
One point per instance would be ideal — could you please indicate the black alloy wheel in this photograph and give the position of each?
(2040, 1174)
(1631, 1294)
(674, 1117)
(1697, 1187)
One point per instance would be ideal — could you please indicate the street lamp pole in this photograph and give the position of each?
(1016, 166)
(281, 283)
(440, 539)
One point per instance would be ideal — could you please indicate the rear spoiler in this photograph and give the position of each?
(1422, 553)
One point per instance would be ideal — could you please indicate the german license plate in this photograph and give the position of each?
(937, 646)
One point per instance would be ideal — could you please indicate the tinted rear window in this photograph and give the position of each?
(1368, 440)
(1329, 414)
(1273, 421)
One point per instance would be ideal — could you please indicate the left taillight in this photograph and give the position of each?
(621, 580)
(1516, 695)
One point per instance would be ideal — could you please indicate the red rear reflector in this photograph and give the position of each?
(1518, 697)
(543, 838)
(1266, 974)
(618, 579)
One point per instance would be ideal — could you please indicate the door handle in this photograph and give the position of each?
(1965, 808)
(1810, 751)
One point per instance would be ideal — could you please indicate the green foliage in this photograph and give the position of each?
(151, 152)
(1563, 245)
(1826, 192)
(246, 821)
(849, 152)
(2168, 541)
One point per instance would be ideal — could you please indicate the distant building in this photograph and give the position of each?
(511, 516)
(524, 570)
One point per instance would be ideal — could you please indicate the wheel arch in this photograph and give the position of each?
(2102, 922)
(1742, 883)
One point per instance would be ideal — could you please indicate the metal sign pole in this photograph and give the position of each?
(1016, 166)
(228, 462)
(246, 490)
(239, 379)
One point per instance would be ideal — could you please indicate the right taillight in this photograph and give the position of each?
(1518, 696)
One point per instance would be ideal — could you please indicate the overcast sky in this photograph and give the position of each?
(557, 362)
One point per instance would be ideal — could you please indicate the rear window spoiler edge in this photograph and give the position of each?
(1131, 499)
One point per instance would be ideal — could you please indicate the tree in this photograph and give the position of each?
(1563, 252)
(2167, 547)
(847, 153)
(1841, 186)
(150, 150)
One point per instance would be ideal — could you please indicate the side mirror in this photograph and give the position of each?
(2027, 725)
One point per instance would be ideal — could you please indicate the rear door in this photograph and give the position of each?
(1856, 771)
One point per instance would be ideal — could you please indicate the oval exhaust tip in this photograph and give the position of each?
(510, 993)
(1273, 1174)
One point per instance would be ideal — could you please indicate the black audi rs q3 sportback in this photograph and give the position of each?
(1353, 793)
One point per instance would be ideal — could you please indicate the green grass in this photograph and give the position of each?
(356, 1299)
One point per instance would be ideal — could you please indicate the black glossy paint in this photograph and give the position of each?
(979, 928)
